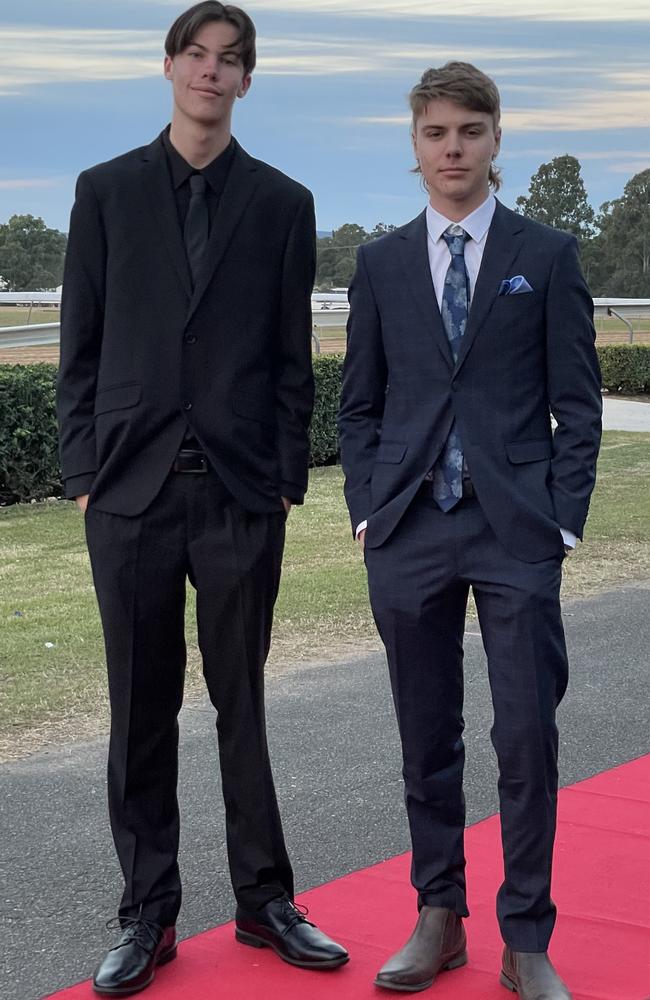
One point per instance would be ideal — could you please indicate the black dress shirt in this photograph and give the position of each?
(180, 171)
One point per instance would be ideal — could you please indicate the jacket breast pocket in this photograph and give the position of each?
(117, 397)
(391, 452)
(519, 452)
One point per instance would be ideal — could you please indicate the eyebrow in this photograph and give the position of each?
(233, 47)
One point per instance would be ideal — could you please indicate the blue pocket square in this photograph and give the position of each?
(514, 286)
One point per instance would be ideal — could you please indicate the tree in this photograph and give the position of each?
(557, 197)
(31, 255)
(337, 253)
(621, 251)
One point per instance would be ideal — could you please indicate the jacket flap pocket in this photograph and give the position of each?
(117, 397)
(529, 451)
(391, 451)
(254, 408)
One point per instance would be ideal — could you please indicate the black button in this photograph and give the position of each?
(190, 339)
(187, 405)
(455, 386)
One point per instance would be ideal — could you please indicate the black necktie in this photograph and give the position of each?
(196, 225)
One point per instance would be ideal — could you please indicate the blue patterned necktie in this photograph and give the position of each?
(448, 470)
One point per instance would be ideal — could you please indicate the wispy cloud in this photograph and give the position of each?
(20, 183)
(534, 10)
(537, 10)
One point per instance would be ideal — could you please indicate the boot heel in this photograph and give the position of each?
(245, 938)
(457, 962)
(508, 983)
(167, 956)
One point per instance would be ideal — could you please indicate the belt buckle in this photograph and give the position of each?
(191, 462)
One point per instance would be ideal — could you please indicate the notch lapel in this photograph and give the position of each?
(415, 258)
(163, 210)
(241, 184)
(502, 247)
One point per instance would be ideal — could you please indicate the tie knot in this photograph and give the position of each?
(197, 183)
(455, 237)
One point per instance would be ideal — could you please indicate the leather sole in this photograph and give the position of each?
(254, 941)
(126, 991)
(454, 963)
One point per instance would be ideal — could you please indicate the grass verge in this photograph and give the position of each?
(51, 651)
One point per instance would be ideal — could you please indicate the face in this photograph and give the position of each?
(208, 76)
(455, 148)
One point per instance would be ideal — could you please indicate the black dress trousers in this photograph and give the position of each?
(194, 529)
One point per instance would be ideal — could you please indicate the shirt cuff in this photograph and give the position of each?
(569, 538)
(361, 527)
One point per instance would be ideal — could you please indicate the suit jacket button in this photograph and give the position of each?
(187, 405)
(190, 339)
(455, 386)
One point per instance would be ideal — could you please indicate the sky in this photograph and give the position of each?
(81, 82)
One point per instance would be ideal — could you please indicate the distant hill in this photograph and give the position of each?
(321, 233)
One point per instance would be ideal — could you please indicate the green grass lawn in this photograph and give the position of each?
(14, 316)
(51, 652)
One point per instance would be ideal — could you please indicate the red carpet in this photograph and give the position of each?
(601, 944)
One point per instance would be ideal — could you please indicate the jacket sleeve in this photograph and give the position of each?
(295, 380)
(82, 317)
(363, 395)
(574, 389)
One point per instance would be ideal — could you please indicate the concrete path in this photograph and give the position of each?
(337, 767)
(625, 415)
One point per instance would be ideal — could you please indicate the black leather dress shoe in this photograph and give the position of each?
(532, 976)
(130, 966)
(280, 925)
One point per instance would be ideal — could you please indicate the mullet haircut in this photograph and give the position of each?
(186, 27)
(466, 86)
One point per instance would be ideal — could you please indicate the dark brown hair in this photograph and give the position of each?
(185, 28)
(466, 86)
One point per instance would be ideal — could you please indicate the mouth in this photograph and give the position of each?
(207, 91)
(454, 170)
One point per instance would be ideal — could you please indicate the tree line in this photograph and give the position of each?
(614, 243)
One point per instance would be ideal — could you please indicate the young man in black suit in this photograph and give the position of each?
(468, 327)
(185, 393)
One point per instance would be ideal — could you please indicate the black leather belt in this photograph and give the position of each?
(190, 460)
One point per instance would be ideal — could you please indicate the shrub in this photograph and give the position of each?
(29, 460)
(625, 367)
(328, 372)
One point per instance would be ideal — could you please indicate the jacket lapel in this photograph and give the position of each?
(502, 247)
(415, 258)
(242, 181)
(163, 210)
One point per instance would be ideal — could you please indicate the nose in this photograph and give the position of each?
(454, 147)
(211, 69)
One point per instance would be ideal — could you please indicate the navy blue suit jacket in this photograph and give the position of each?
(523, 357)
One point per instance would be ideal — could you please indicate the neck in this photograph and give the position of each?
(456, 211)
(198, 144)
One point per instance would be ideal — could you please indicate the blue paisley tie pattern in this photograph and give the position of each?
(448, 470)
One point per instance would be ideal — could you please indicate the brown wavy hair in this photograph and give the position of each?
(466, 86)
(186, 27)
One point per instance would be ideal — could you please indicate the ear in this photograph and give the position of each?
(168, 67)
(497, 140)
(244, 86)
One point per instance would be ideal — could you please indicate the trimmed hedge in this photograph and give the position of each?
(625, 368)
(29, 460)
(29, 467)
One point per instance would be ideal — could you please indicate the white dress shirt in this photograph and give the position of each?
(476, 224)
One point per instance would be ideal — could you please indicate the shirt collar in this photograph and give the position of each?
(215, 172)
(476, 223)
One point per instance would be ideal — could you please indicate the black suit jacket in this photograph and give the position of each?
(522, 356)
(142, 355)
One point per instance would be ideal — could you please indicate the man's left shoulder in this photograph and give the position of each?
(281, 183)
(543, 235)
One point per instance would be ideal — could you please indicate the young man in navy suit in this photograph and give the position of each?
(469, 327)
(185, 393)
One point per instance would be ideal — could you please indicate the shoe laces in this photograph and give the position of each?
(295, 913)
(146, 933)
